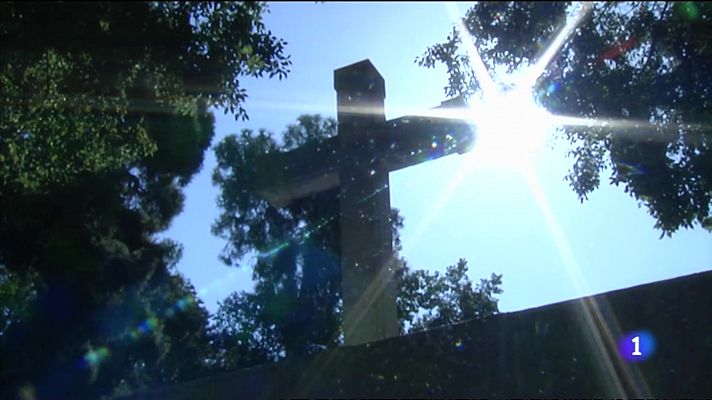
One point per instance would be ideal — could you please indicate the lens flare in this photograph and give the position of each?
(27, 392)
(688, 10)
(94, 357)
(184, 303)
(146, 327)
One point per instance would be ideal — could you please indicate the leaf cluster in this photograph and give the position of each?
(429, 299)
(82, 84)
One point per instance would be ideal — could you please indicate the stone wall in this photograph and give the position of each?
(565, 350)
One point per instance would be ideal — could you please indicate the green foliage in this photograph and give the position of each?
(82, 84)
(16, 293)
(309, 129)
(643, 62)
(104, 121)
(297, 273)
(241, 338)
(154, 332)
(428, 300)
(295, 308)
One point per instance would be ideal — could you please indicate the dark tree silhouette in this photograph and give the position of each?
(104, 120)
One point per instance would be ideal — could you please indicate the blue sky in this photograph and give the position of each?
(525, 224)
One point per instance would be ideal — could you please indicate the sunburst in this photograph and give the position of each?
(510, 128)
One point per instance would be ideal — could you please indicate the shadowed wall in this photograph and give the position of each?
(567, 349)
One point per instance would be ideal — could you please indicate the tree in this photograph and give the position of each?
(297, 273)
(245, 334)
(241, 336)
(16, 292)
(163, 330)
(105, 118)
(642, 62)
(428, 300)
(100, 76)
(295, 308)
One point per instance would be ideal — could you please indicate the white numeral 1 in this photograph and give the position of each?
(636, 341)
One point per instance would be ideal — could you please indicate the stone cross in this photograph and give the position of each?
(358, 161)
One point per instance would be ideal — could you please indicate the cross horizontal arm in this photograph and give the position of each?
(401, 143)
(412, 140)
(283, 177)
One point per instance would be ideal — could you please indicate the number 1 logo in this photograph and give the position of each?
(636, 342)
(636, 346)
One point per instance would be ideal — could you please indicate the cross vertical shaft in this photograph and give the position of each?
(368, 286)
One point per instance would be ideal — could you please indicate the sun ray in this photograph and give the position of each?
(484, 78)
(491, 121)
(488, 86)
(219, 285)
(640, 129)
(535, 71)
(365, 110)
(439, 203)
(293, 106)
(604, 331)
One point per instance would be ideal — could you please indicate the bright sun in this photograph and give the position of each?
(510, 128)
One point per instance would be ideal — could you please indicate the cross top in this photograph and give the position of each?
(360, 77)
(358, 161)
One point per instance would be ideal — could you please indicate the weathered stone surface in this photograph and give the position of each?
(368, 289)
(562, 350)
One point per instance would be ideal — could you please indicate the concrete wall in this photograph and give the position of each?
(562, 350)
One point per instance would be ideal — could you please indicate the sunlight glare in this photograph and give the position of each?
(511, 128)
